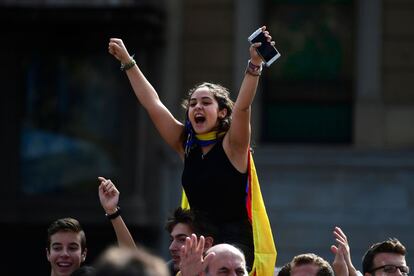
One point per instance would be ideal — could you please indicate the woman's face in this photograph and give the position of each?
(203, 111)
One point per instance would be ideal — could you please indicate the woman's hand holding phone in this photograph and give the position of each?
(266, 50)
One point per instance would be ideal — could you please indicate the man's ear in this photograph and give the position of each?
(48, 254)
(84, 254)
(208, 242)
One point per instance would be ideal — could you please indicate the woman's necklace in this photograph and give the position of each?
(207, 139)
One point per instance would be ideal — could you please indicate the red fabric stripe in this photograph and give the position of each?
(249, 191)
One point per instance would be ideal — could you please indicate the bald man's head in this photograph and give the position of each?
(228, 259)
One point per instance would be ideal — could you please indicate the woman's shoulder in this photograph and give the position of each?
(236, 155)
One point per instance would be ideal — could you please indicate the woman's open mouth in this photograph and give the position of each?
(198, 119)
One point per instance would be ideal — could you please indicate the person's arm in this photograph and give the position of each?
(343, 249)
(169, 128)
(237, 140)
(109, 197)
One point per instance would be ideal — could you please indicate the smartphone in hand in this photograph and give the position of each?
(267, 51)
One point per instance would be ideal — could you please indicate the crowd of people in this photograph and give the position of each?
(193, 251)
(221, 227)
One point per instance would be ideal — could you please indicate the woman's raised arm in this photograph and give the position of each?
(169, 127)
(237, 140)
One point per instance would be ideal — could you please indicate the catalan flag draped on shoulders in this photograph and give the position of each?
(264, 246)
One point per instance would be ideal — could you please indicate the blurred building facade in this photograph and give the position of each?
(333, 120)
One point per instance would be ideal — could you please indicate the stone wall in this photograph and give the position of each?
(310, 191)
(207, 42)
(398, 72)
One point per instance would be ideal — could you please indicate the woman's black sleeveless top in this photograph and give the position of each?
(217, 190)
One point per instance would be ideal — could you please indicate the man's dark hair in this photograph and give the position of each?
(284, 270)
(198, 223)
(391, 245)
(180, 215)
(325, 268)
(66, 225)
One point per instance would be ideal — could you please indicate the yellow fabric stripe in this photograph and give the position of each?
(207, 136)
(212, 135)
(184, 202)
(264, 247)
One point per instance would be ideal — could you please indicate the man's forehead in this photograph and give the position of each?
(181, 229)
(227, 261)
(302, 268)
(389, 258)
(65, 236)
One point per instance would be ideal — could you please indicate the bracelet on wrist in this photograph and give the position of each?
(115, 214)
(128, 65)
(252, 69)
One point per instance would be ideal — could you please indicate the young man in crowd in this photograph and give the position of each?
(66, 246)
(66, 241)
(180, 225)
(310, 264)
(385, 258)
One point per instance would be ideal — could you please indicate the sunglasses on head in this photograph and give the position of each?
(393, 268)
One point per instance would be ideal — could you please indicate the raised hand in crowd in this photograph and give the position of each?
(109, 198)
(192, 257)
(342, 264)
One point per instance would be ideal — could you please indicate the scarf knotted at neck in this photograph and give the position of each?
(208, 138)
(200, 139)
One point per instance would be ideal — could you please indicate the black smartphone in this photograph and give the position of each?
(267, 51)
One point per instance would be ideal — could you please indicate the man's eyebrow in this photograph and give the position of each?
(181, 235)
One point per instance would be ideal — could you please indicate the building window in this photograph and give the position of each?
(308, 92)
(67, 132)
(78, 118)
